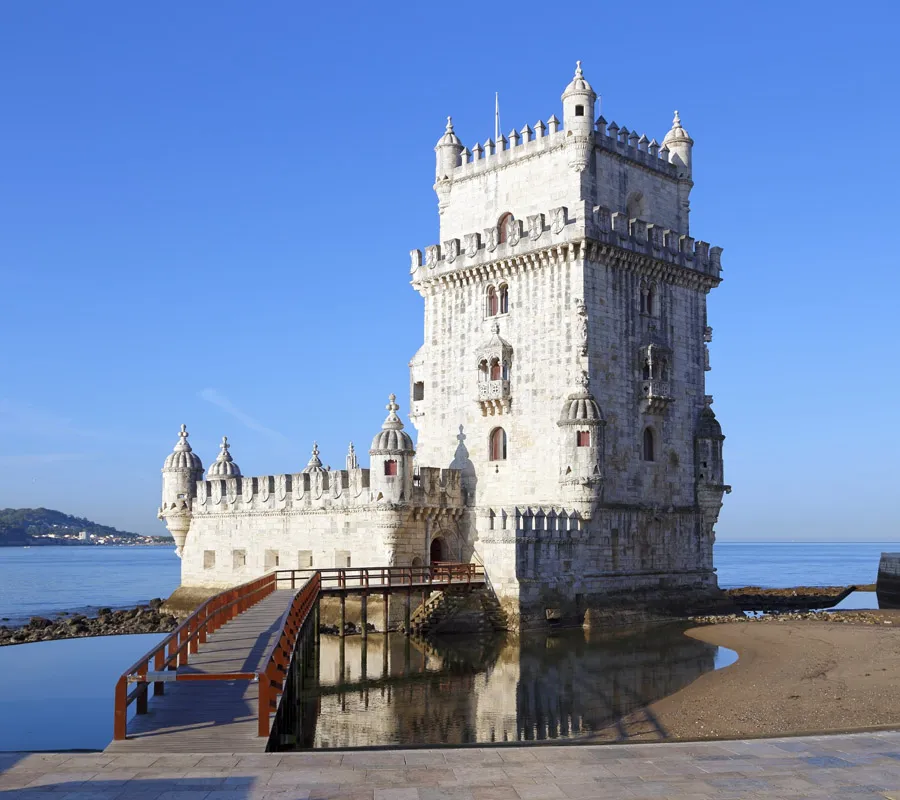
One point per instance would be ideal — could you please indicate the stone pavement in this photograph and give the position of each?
(851, 767)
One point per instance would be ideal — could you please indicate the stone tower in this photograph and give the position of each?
(563, 364)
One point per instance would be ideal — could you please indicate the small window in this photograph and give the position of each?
(390, 467)
(504, 299)
(648, 445)
(648, 370)
(342, 558)
(483, 372)
(498, 445)
(583, 439)
(238, 559)
(579, 111)
(496, 370)
(182, 496)
(502, 224)
(271, 559)
(419, 390)
(209, 559)
(304, 559)
(492, 303)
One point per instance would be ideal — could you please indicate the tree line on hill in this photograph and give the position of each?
(23, 526)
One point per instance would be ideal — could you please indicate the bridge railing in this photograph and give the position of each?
(160, 664)
(379, 579)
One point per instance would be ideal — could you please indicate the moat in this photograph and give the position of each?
(567, 685)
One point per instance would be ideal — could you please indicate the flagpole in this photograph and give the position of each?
(496, 116)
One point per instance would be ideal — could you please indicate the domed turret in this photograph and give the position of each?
(315, 464)
(581, 449)
(708, 426)
(181, 471)
(448, 150)
(182, 456)
(391, 459)
(679, 144)
(708, 463)
(578, 106)
(223, 466)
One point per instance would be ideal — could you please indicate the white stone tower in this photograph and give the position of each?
(563, 364)
(180, 472)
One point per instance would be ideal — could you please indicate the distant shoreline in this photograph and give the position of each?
(75, 543)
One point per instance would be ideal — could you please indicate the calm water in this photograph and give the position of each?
(571, 685)
(462, 690)
(40, 581)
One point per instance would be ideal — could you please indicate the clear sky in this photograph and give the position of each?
(206, 210)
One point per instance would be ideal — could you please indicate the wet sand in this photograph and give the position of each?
(792, 677)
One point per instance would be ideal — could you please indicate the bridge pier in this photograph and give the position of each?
(343, 615)
(364, 614)
(407, 612)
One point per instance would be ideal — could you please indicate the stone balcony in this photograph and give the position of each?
(494, 397)
(655, 396)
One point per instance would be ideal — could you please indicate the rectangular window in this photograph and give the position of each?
(238, 559)
(419, 390)
(271, 559)
(304, 559)
(209, 559)
(583, 438)
(390, 467)
(342, 558)
(579, 111)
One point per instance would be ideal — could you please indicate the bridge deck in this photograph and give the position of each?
(212, 716)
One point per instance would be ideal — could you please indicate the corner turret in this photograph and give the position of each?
(391, 459)
(711, 485)
(581, 449)
(578, 119)
(448, 150)
(180, 472)
(679, 144)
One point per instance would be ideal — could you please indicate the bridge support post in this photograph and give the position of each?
(343, 614)
(387, 609)
(364, 614)
(407, 613)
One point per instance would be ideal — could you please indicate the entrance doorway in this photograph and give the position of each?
(438, 551)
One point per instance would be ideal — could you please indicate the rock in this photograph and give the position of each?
(40, 622)
(103, 611)
(155, 603)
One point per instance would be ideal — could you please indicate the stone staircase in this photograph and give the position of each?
(458, 610)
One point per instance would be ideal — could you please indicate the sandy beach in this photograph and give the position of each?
(791, 677)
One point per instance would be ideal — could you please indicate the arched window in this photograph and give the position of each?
(648, 298)
(496, 370)
(648, 445)
(501, 226)
(504, 299)
(583, 439)
(390, 467)
(498, 445)
(483, 373)
(492, 304)
(648, 372)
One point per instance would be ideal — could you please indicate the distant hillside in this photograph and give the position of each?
(18, 525)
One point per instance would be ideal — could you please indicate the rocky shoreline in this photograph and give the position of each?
(140, 619)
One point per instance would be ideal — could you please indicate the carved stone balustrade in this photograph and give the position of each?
(655, 396)
(494, 397)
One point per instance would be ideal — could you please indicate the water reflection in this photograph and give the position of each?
(574, 684)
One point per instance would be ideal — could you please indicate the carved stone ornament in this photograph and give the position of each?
(473, 242)
(415, 260)
(559, 217)
(582, 319)
(491, 239)
(202, 492)
(513, 231)
(452, 249)
(535, 226)
(281, 487)
(432, 255)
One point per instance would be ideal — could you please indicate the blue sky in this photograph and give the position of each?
(206, 210)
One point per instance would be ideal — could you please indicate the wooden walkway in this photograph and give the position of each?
(213, 716)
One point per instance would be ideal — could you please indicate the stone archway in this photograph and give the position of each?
(438, 550)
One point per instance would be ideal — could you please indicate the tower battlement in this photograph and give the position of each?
(535, 238)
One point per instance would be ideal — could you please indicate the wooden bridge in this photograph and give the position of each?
(218, 679)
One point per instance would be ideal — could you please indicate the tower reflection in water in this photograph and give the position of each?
(575, 684)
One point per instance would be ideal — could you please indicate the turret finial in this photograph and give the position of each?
(224, 445)
(183, 433)
(496, 328)
(578, 72)
(584, 380)
(392, 404)
(450, 124)
(676, 123)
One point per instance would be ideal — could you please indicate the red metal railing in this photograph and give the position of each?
(174, 651)
(277, 660)
(384, 578)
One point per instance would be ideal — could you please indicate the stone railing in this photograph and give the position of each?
(493, 390)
